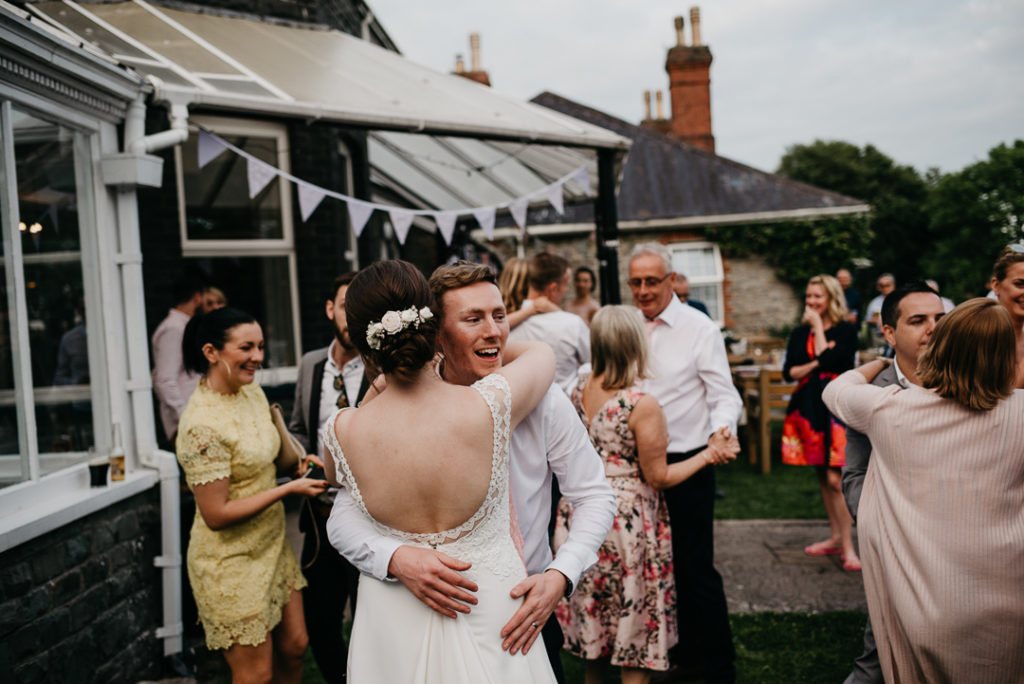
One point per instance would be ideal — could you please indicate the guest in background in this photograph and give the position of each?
(624, 611)
(885, 284)
(330, 378)
(213, 298)
(1008, 285)
(682, 290)
(819, 349)
(947, 304)
(942, 515)
(243, 572)
(851, 295)
(514, 286)
(584, 305)
(172, 382)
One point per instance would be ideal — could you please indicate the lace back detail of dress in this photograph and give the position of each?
(481, 538)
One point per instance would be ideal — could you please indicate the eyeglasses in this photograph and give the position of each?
(635, 283)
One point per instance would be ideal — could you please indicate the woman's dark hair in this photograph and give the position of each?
(593, 276)
(384, 286)
(213, 328)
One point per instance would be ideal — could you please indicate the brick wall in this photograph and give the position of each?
(82, 603)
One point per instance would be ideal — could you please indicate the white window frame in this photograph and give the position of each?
(247, 247)
(42, 503)
(717, 279)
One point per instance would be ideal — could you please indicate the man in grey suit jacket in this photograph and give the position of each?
(909, 315)
(329, 378)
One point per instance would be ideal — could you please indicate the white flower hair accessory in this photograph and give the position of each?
(394, 322)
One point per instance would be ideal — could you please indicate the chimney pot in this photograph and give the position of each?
(680, 39)
(695, 25)
(474, 51)
(661, 109)
(460, 64)
(647, 105)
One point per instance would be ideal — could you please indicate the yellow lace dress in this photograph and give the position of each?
(242, 575)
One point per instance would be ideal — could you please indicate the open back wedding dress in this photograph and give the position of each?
(396, 638)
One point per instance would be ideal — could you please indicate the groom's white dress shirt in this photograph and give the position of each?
(552, 439)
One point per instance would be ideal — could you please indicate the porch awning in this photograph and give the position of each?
(246, 65)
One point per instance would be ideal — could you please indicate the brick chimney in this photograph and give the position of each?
(658, 122)
(475, 73)
(689, 77)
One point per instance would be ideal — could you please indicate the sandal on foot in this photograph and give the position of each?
(822, 549)
(851, 564)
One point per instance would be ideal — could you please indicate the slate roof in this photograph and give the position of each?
(666, 178)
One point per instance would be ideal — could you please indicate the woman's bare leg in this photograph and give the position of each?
(594, 671)
(632, 675)
(251, 664)
(835, 539)
(290, 642)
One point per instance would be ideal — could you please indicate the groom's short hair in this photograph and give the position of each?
(458, 275)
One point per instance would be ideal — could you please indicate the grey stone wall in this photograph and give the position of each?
(759, 300)
(82, 603)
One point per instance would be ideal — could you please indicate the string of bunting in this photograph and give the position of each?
(259, 173)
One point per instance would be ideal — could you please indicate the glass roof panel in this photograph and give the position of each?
(240, 86)
(432, 158)
(90, 31)
(161, 37)
(501, 165)
(398, 169)
(169, 76)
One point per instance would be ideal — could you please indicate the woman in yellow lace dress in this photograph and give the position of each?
(244, 575)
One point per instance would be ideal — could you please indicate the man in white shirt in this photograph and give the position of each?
(329, 378)
(692, 382)
(873, 314)
(909, 316)
(567, 334)
(551, 440)
(171, 382)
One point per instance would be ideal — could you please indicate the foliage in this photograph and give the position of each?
(897, 195)
(976, 212)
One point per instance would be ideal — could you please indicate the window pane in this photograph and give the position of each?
(708, 294)
(696, 262)
(260, 286)
(11, 469)
(47, 203)
(217, 204)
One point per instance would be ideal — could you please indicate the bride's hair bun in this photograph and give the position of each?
(396, 286)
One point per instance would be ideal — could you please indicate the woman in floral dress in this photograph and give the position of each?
(623, 611)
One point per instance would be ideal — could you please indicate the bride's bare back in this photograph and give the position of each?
(420, 454)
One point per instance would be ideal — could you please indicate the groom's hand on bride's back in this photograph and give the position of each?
(434, 578)
(540, 594)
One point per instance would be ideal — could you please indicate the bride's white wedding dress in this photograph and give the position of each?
(396, 639)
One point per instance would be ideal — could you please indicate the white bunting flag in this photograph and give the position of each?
(259, 174)
(554, 193)
(446, 224)
(517, 208)
(485, 217)
(210, 147)
(358, 214)
(400, 221)
(582, 176)
(310, 197)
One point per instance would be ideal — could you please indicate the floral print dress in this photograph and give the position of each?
(625, 606)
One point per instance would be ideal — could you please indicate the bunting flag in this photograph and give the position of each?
(446, 224)
(359, 213)
(259, 174)
(310, 197)
(401, 220)
(554, 193)
(210, 147)
(582, 176)
(485, 217)
(517, 208)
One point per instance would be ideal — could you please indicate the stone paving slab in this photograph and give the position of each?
(764, 568)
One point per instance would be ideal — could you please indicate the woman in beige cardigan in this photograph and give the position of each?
(941, 518)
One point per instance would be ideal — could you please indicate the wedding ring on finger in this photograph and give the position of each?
(533, 625)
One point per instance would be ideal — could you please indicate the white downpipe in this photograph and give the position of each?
(139, 383)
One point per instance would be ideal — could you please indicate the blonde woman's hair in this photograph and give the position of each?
(618, 346)
(972, 356)
(514, 283)
(836, 299)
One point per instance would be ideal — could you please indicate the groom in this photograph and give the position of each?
(551, 440)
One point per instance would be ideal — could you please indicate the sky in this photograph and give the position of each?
(930, 83)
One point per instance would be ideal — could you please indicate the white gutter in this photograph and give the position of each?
(127, 171)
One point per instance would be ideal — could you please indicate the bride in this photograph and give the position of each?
(427, 462)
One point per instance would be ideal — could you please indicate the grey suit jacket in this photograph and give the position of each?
(304, 390)
(858, 451)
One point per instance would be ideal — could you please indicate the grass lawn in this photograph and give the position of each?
(786, 492)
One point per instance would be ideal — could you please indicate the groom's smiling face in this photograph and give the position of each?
(473, 332)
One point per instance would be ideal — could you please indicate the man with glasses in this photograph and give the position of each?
(329, 378)
(690, 378)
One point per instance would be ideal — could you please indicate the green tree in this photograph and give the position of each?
(897, 194)
(974, 214)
